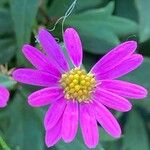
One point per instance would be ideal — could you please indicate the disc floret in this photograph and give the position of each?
(78, 85)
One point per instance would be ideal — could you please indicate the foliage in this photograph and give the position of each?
(102, 24)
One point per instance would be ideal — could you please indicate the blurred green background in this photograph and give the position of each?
(102, 24)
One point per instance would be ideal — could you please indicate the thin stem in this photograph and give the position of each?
(3, 144)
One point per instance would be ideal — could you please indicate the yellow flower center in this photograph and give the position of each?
(78, 85)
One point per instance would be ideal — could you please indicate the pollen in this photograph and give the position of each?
(78, 85)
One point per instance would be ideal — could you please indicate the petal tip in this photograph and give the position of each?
(30, 102)
(138, 57)
(142, 58)
(145, 93)
(91, 146)
(14, 74)
(3, 105)
(41, 32)
(25, 48)
(132, 43)
(66, 140)
(4, 96)
(41, 29)
(129, 107)
(48, 144)
(118, 134)
(70, 30)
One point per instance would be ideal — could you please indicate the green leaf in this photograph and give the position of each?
(141, 76)
(7, 81)
(135, 137)
(25, 129)
(104, 136)
(97, 42)
(99, 29)
(3, 144)
(113, 145)
(5, 22)
(89, 60)
(123, 5)
(77, 143)
(4, 3)
(7, 49)
(23, 14)
(139, 11)
(63, 6)
(104, 20)
(144, 19)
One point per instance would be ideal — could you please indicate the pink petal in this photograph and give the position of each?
(52, 48)
(54, 134)
(107, 120)
(39, 60)
(54, 113)
(73, 46)
(34, 77)
(70, 121)
(4, 96)
(89, 126)
(124, 89)
(112, 100)
(45, 96)
(123, 68)
(114, 57)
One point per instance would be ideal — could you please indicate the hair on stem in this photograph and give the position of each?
(63, 18)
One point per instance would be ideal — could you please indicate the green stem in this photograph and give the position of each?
(3, 144)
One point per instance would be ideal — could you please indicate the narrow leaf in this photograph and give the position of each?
(135, 137)
(23, 14)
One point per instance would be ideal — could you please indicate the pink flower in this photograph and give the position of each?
(75, 95)
(4, 96)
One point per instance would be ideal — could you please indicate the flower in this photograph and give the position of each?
(4, 96)
(75, 95)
